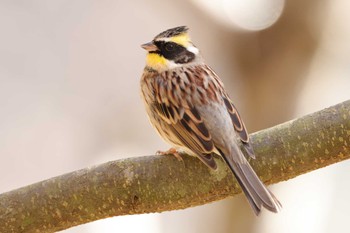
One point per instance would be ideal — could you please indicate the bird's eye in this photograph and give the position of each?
(169, 47)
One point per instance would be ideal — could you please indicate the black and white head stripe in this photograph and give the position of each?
(174, 52)
(172, 32)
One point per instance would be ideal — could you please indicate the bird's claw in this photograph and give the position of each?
(171, 151)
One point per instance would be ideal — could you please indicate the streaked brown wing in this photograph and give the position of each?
(239, 126)
(188, 127)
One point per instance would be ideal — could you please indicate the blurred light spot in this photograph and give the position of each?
(253, 14)
(246, 14)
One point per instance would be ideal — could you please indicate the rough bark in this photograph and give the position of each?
(160, 183)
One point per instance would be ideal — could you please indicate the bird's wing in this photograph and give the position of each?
(177, 95)
(232, 110)
(238, 125)
(187, 126)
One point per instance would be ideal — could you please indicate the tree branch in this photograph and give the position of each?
(160, 183)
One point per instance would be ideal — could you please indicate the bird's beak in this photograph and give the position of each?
(150, 47)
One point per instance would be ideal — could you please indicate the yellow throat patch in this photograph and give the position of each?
(156, 61)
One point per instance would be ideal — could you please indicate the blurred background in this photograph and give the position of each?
(69, 95)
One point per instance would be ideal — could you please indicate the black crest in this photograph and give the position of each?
(172, 32)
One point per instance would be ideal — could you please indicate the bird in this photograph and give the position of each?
(187, 104)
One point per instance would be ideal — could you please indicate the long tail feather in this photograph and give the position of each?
(257, 194)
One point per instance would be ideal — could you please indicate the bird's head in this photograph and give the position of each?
(170, 49)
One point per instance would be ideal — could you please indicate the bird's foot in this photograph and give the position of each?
(171, 151)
